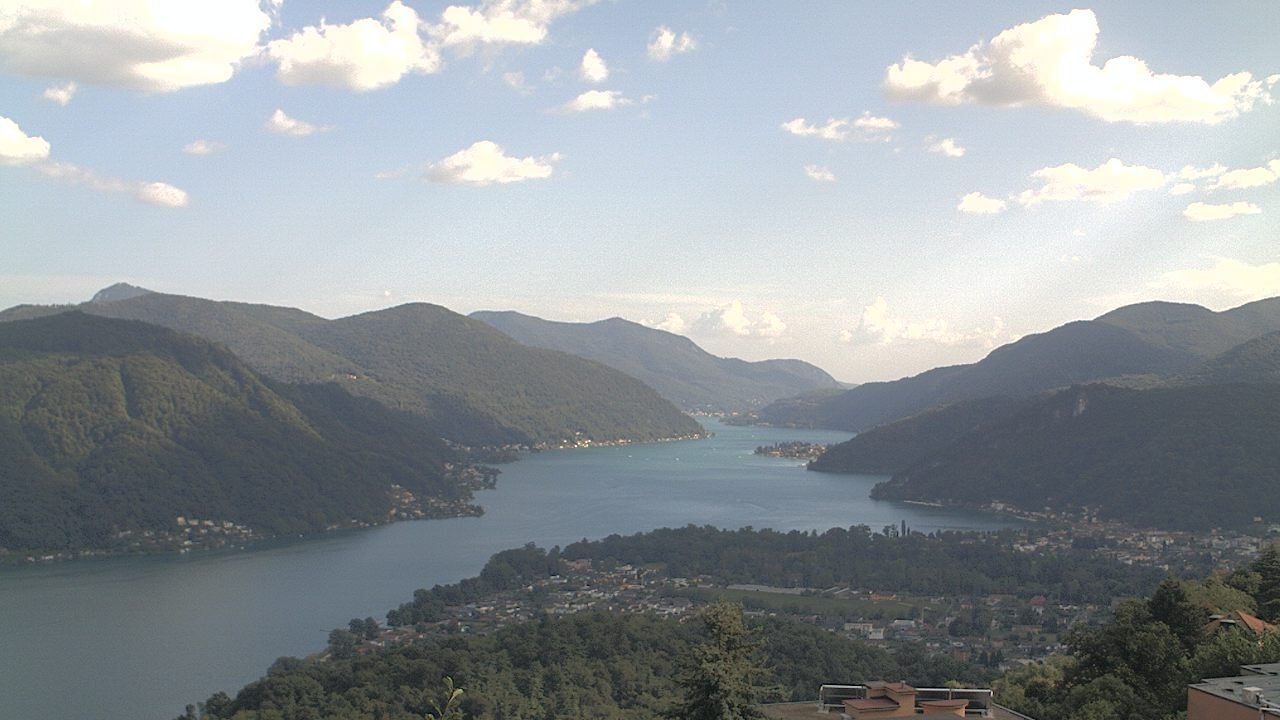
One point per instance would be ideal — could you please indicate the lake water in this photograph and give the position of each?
(137, 638)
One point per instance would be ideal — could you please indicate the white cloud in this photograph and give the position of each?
(515, 81)
(1191, 172)
(1227, 281)
(1049, 62)
(151, 45)
(202, 147)
(948, 147)
(60, 94)
(819, 173)
(975, 203)
(868, 127)
(163, 194)
(1247, 178)
(18, 148)
(485, 163)
(281, 123)
(153, 193)
(664, 43)
(596, 100)
(499, 22)
(1202, 212)
(732, 318)
(593, 69)
(672, 323)
(1182, 188)
(1110, 182)
(877, 324)
(365, 55)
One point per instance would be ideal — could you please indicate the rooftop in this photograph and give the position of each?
(1232, 688)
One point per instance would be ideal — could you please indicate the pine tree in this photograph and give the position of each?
(717, 676)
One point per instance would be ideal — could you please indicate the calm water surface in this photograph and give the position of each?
(139, 638)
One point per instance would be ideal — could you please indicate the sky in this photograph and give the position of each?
(875, 187)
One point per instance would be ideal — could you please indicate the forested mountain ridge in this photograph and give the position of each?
(674, 365)
(1158, 341)
(111, 429)
(475, 385)
(1179, 458)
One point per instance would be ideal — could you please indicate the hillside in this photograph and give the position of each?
(111, 429)
(1179, 458)
(892, 448)
(673, 365)
(1138, 344)
(1255, 361)
(474, 385)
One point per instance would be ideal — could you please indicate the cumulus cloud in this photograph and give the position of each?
(672, 323)
(596, 100)
(664, 43)
(202, 147)
(515, 81)
(1202, 212)
(364, 55)
(499, 22)
(732, 318)
(866, 126)
(486, 163)
(152, 193)
(1247, 178)
(19, 148)
(60, 94)
(1191, 172)
(1182, 188)
(975, 203)
(1110, 182)
(1226, 281)
(878, 325)
(818, 173)
(1049, 63)
(593, 68)
(948, 147)
(281, 123)
(151, 45)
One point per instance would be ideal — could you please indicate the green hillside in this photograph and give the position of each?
(672, 364)
(110, 429)
(1180, 458)
(474, 385)
(1138, 345)
(892, 448)
(1255, 361)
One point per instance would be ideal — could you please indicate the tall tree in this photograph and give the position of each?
(718, 676)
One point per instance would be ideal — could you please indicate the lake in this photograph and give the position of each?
(137, 638)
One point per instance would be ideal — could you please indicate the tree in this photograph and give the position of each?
(446, 706)
(717, 676)
(1267, 566)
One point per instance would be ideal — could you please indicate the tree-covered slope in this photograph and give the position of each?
(474, 385)
(1255, 361)
(892, 448)
(110, 429)
(672, 364)
(1155, 340)
(1182, 458)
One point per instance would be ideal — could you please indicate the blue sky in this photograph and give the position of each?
(771, 180)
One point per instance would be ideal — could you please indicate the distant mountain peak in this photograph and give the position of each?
(119, 291)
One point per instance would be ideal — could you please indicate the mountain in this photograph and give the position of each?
(1138, 344)
(475, 385)
(899, 445)
(1187, 458)
(1255, 361)
(111, 429)
(673, 365)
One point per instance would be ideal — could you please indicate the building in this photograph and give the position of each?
(1253, 695)
(1240, 619)
(881, 699)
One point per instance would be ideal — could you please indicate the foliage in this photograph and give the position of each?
(1188, 458)
(475, 385)
(717, 677)
(111, 429)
